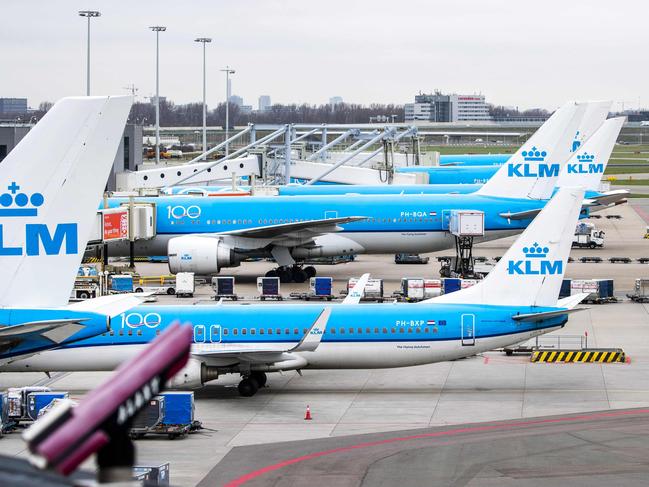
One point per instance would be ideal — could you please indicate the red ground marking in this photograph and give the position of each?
(474, 429)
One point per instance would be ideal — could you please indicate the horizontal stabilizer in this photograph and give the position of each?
(17, 332)
(609, 198)
(545, 315)
(572, 301)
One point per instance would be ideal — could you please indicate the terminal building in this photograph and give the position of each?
(437, 107)
(13, 105)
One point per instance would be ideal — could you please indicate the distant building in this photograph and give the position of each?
(236, 100)
(245, 109)
(13, 105)
(447, 108)
(264, 103)
(335, 100)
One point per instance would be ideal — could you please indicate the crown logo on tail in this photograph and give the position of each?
(535, 251)
(15, 204)
(534, 155)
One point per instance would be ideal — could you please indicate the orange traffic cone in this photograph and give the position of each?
(307, 416)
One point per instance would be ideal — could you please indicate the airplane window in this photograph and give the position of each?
(130, 333)
(376, 330)
(103, 334)
(426, 330)
(278, 331)
(112, 333)
(235, 332)
(418, 330)
(393, 330)
(260, 220)
(139, 333)
(244, 331)
(401, 330)
(385, 330)
(368, 330)
(199, 331)
(287, 331)
(304, 330)
(225, 331)
(261, 331)
(157, 332)
(253, 331)
(351, 330)
(121, 332)
(360, 330)
(342, 331)
(265, 221)
(332, 331)
(410, 330)
(296, 331)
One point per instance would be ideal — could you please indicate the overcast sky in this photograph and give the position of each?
(518, 53)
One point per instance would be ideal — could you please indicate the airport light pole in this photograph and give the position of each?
(88, 14)
(204, 40)
(157, 29)
(228, 72)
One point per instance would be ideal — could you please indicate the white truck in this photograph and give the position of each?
(587, 236)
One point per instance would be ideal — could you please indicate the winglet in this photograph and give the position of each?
(313, 336)
(356, 293)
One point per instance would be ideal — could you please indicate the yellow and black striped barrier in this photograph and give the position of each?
(592, 355)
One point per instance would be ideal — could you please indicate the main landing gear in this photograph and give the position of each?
(249, 386)
(292, 273)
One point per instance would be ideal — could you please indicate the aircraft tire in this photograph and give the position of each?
(284, 276)
(260, 378)
(248, 387)
(299, 275)
(272, 273)
(310, 271)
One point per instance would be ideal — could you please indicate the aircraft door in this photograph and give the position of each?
(199, 333)
(468, 330)
(446, 218)
(215, 333)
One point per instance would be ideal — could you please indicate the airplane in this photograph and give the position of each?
(586, 167)
(517, 301)
(203, 235)
(54, 179)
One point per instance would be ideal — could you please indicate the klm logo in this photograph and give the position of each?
(535, 263)
(38, 237)
(585, 165)
(534, 167)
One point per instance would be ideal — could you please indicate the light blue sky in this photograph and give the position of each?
(523, 53)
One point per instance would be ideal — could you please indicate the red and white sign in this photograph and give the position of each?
(115, 225)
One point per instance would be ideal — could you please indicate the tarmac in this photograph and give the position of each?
(243, 435)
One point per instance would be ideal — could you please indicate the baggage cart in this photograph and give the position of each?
(185, 285)
(268, 288)
(36, 401)
(223, 287)
(320, 288)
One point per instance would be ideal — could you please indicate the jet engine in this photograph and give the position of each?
(200, 255)
(192, 376)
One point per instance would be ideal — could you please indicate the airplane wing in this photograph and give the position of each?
(271, 352)
(111, 305)
(324, 225)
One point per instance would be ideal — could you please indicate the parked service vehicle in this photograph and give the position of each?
(587, 236)
(410, 259)
(641, 292)
(373, 289)
(600, 290)
(159, 284)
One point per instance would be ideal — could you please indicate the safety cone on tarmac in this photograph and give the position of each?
(307, 416)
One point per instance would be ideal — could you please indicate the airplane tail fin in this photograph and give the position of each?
(531, 271)
(52, 183)
(532, 172)
(587, 164)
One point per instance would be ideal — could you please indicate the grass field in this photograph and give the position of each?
(470, 149)
(630, 182)
(626, 170)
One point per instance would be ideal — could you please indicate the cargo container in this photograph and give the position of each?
(466, 223)
(149, 417)
(121, 283)
(565, 288)
(40, 400)
(412, 289)
(321, 287)
(152, 474)
(171, 413)
(599, 290)
(432, 288)
(17, 398)
(268, 288)
(452, 284)
(185, 285)
(5, 423)
(641, 291)
(373, 289)
(224, 288)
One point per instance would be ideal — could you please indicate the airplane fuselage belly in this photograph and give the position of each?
(371, 242)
